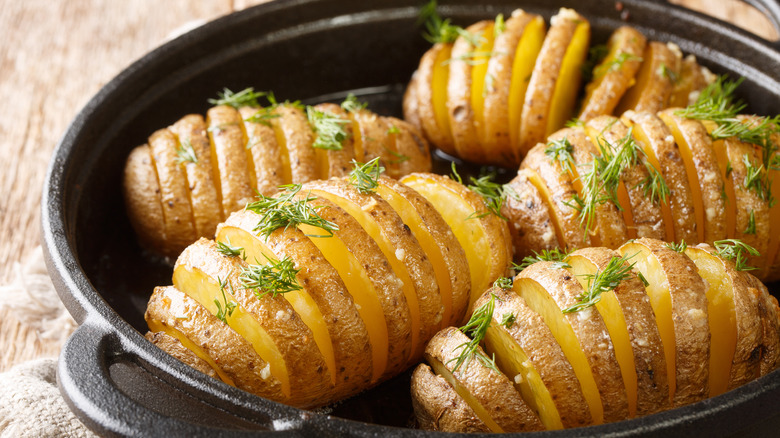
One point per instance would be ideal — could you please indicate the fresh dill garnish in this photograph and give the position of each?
(229, 306)
(602, 281)
(476, 57)
(329, 128)
(393, 129)
(555, 255)
(245, 97)
(751, 228)
(596, 54)
(397, 156)
(283, 211)
(756, 179)
(186, 153)
(439, 30)
(560, 151)
(503, 283)
(499, 26)
(615, 64)
(365, 177)
(352, 104)
(225, 248)
(275, 277)
(263, 116)
(654, 185)
(665, 72)
(508, 320)
(492, 193)
(476, 329)
(679, 247)
(575, 123)
(736, 251)
(729, 169)
(642, 277)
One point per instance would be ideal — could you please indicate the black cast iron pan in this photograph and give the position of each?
(120, 384)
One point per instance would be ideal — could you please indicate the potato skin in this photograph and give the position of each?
(528, 216)
(438, 407)
(141, 191)
(172, 346)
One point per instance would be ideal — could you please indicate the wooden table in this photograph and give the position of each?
(55, 55)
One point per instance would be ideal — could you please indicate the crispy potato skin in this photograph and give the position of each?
(528, 216)
(141, 190)
(438, 407)
(173, 347)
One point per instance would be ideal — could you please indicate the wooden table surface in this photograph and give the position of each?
(54, 55)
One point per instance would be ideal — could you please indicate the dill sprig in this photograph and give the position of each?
(503, 283)
(602, 281)
(736, 251)
(227, 249)
(757, 180)
(246, 97)
(439, 30)
(493, 194)
(365, 177)
(476, 329)
(393, 129)
(397, 156)
(555, 255)
(263, 116)
(352, 104)
(615, 64)
(508, 320)
(679, 247)
(596, 55)
(330, 129)
(751, 227)
(560, 151)
(186, 153)
(229, 306)
(283, 211)
(499, 25)
(275, 277)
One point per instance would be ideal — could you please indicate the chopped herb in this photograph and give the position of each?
(398, 157)
(736, 251)
(439, 30)
(492, 193)
(186, 153)
(263, 116)
(275, 277)
(751, 228)
(245, 97)
(560, 151)
(476, 329)
(756, 179)
(285, 211)
(679, 247)
(596, 54)
(665, 72)
(654, 185)
(555, 255)
(575, 123)
(229, 306)
(508, 320)
(365, 177)
(352, 104)
(615, 64)
(729, 169)
(229, 250)
(602, 281)
(503, 283)
(500, 25)
(393, 130)
(642, 277)
(329, 129)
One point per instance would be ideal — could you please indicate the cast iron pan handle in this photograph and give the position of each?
(91, 391)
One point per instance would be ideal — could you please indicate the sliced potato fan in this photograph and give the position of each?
(198, 172)
(598, 335)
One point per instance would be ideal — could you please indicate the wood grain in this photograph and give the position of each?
(54, 56)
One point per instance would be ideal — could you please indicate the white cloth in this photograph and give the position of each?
(30, 402)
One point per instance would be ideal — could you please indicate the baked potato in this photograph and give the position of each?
(490, 92)
(329, 287)
(599, 335)
(659, 175)
(190, 176)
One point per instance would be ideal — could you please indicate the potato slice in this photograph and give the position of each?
(439, 243)
(641, 213)
(629, 318)
(693, 78)
(770, 325)
(704, 176)
(174, 347)
(489, 393)
(229, 354)
(298, 136)
(615, 74)
(678, 296)
(269, 324)
(529, 217)
(437, 406)
(411, 104)
(264, 150)
(465, 63)
(522, 37)
(655, 80)
(560, 187)
(174, 192)
(662, 152)
(433, 78)
(609, 226)
(336, 162)
(410, 151)
(483, 236)
(190, 131)
(324, 303)
(141, 191)
(370, 133)
(582, 335)
(406, 257)
(529, 355)
(554, 83)
(229, 158)
(734, 318)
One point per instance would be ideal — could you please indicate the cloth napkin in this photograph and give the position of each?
(30, 402)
